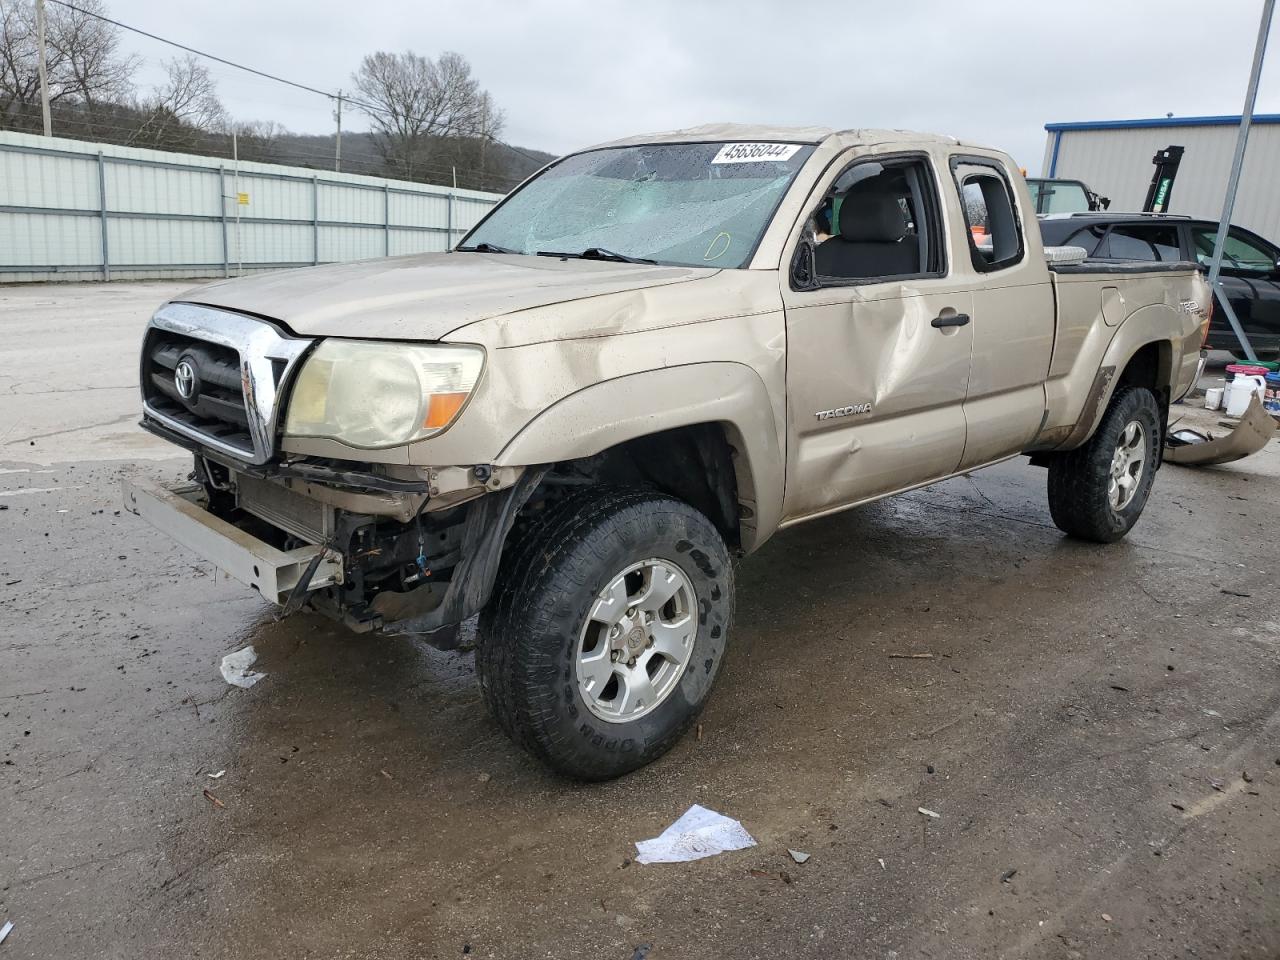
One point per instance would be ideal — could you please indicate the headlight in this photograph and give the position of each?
(369, 394)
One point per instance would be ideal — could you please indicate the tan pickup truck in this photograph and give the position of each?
(640, 365)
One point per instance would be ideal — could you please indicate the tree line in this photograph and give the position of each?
(429, 119)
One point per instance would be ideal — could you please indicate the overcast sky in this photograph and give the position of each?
(569, 74)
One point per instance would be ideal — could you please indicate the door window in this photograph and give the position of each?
(878, 221)
(1239, 254)
(995, 237)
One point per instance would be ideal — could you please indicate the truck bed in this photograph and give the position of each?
(1091, 301)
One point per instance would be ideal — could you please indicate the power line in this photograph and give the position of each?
(183, 46)
(365, 105)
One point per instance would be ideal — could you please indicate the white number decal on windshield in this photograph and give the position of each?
(755, 152)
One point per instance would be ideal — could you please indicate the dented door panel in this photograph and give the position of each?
(875, 393)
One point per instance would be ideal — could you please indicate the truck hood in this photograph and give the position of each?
(425, 296)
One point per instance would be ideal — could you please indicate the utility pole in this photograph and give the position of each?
(1233, 182)
(337, 148)
(42, 66)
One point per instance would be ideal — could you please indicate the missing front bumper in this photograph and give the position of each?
(178, 511)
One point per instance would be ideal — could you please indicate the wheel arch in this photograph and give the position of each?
(1141, 354)
(709, 405)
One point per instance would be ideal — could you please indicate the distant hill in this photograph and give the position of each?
(470, 163)
(500, 168)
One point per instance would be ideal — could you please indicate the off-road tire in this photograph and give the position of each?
(530, 630)
(1078, 479)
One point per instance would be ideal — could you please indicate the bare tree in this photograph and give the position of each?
(182, 109)
(191, 95)
(19, 82)
(260, 140)
(92, 68)
(413, 101)
(85, 63)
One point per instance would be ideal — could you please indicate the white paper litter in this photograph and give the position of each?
(216, 776)
(235, 668)
(799, 856)
(4, 931)
(929, 813)
(699, 833)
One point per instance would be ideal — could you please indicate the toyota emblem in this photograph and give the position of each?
(184, 378)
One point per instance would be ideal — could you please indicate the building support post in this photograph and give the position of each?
(102, 206)
(449, 243)
(222, 203)
(315, 220)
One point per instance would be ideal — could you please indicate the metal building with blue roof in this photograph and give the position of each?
(1114, 158)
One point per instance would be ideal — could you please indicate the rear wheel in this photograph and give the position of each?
(1098, 491)
(607, 631)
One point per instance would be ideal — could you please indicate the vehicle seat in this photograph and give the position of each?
(870, 243)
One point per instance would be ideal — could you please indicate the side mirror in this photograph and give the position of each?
(804, 274)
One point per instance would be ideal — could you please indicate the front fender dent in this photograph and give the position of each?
(606, 414)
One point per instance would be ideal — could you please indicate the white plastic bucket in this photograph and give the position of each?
(1241, 389)
(1213, 398)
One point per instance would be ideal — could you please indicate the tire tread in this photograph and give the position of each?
(1078, 479)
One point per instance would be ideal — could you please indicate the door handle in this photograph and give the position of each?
(950, 320)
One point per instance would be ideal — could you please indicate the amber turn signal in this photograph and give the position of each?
(442, 408)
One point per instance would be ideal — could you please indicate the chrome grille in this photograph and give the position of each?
(216, 407)
(217, 377)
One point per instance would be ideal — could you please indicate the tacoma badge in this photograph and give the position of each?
(850, 410)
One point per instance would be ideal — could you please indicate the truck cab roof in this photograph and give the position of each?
(711, 132)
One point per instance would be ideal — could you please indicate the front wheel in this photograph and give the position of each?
(1097, 491)
(607, 631)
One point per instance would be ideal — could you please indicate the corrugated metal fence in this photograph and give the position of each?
(71, 210)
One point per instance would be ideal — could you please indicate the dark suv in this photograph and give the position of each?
(1250, 265)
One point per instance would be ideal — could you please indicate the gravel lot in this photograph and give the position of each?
(1098, 728)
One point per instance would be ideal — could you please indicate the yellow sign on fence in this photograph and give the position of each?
(242, 199)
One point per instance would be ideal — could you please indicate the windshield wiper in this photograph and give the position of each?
(485, 248)
(596, 253)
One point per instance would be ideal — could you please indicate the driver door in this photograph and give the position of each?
(878, 352)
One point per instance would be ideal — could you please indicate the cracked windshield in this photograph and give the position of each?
(692, 204)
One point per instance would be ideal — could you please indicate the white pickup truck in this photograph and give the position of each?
(644, 362)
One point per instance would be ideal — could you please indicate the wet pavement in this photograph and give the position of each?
(1098, 728)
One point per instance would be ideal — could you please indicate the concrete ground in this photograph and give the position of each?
(1098, 729)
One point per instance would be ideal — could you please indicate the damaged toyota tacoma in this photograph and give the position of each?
(640, 365)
